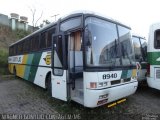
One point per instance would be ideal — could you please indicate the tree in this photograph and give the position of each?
(34, 22)
(45, 22)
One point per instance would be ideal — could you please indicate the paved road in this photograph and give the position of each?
(21, 97)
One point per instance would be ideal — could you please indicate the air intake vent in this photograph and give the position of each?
(157, 73)
(127, 79)
(115, 82)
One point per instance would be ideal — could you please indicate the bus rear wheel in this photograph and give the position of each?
(14, 72)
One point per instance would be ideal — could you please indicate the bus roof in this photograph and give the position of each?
(72, 14)
(155, 26)
(137, 35)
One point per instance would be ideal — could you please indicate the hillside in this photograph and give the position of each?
(7, 37)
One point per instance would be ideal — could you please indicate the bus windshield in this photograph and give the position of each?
(104, 47)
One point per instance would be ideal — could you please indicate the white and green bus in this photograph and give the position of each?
(153, 56)
(83, 57)
(140, 49)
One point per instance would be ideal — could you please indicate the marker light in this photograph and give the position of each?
(93, 85)
(100, 84)
(105, 84)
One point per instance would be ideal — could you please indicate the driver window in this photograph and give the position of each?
(157, 39)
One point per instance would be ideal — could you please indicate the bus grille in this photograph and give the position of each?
(127, 79)
(115, 82)
(157, 73)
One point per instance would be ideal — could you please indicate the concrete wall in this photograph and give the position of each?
(21, 26)
(15, 23)
(4, 20)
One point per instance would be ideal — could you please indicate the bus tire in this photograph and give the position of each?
(49, 84)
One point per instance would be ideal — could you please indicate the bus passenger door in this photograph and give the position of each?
(75, 66)
(59, 82)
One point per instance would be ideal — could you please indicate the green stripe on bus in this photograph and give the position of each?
(30, 58)
(143, 65)
(124, 74)
(35, 63)
(129, 73)
(152, 58)
(27, 72)
(32, 74)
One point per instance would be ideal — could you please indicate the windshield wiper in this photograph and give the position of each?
(115, 51)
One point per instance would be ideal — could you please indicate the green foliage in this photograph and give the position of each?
(21, 33)
(3, 57)
(7, 37)
(3, 61)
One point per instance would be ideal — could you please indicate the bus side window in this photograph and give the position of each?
(22, 43)
(36, 42)
(20, 48)
(58, 56)
(43, 40)
(49, 39)
(157, 39)
(15, 49)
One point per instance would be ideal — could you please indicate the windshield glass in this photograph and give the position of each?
(144, 49)
(137, 49)
(103, 46)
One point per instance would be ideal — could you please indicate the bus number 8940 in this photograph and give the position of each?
(108, 76)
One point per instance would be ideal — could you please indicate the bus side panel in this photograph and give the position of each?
(11, 68)
(32, 73)
(43, 69)
(27, 60)
(20, 70)
(32, 67)
(27, 72)
(41, 76)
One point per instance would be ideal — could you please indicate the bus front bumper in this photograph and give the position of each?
(153, 83)
(94, 98)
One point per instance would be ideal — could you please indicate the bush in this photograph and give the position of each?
(3, 58)
(3, 62)
(21, 33)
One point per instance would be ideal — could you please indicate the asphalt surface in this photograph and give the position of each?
(19, 97)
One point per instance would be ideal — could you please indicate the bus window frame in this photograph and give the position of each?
(99, 68)
(155, 40)
(144, 52)
(63, 54)
(71, 18)
(45, 35)
(50, 31)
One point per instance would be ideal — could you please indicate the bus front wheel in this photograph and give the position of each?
(49, 84)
